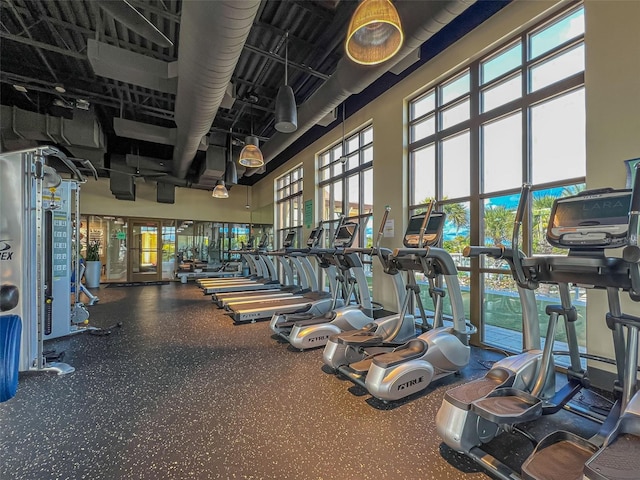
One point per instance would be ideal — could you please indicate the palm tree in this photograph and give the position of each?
(571, 190)
(498, 224)
(541, 211)
(457, 214)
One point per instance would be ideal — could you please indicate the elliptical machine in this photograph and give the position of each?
(521, 388)
(306, 329)
(349, 346)
(380, 359)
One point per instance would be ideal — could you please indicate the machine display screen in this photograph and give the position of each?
(600, 220)
(415, 223)
(314, 236)
(431, 232)
(610, 210)
(345, 234)
(288, 240)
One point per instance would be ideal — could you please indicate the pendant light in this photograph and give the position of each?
(343, 156)
(375, 33)
(286, 110)
(251, 156)
(220, 191)
(230, 173)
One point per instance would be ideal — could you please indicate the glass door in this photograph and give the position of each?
(144, 251)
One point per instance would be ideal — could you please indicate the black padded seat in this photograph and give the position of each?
(409, 351)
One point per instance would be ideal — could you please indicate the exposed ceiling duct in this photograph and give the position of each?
(205, 68)
(129, 16)
(420, 20)
(81, 135)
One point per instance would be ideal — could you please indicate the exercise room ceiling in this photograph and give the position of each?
(153, 75)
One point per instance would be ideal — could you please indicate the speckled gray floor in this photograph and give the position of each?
(180, 392)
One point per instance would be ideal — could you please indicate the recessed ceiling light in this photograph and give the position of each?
(60, 88)
(20, 88)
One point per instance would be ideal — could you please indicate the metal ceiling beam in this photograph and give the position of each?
(43, 46)
(265, 90)
(314, 9)
(26, 30)
(281, 32)
(158, 11)
(278, 58)
(255, 106)
(104, 101)
(45, 87)
(103, 82)
(91, 33)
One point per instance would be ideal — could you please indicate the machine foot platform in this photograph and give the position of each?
(617, 461)
(559, 456)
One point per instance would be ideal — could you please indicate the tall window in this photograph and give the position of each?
(289, 208)
(346, 187)
(516, 115)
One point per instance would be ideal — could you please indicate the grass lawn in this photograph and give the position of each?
(502, 309)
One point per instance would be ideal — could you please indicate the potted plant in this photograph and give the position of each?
(93, 264)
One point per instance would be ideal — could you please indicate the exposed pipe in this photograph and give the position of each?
(212, 35)
(420, 21)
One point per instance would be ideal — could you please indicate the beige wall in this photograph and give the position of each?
(96, 199)
(613, 120)
(612, 82)
(389, 118)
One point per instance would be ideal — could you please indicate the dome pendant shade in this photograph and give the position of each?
(375, 33)
(251, 156)
(286, 111)
(220, 191)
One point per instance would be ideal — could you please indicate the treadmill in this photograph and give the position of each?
(304, 272)
(267, 279)
(257, 270)
(317, 302)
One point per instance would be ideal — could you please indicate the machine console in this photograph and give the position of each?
(345, 235)
(314, 237)
(592, 220)
(432, 231)
(288, 239)
(264, 241)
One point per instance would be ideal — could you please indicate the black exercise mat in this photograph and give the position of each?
(136, 284)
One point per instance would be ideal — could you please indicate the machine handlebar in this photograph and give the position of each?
(494, 252)
(631, 252)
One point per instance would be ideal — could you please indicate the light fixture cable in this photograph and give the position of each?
(251, 156)
(286, 117)
(343, 157)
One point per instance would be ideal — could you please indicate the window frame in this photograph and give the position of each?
(524, 104)
(288, 193)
